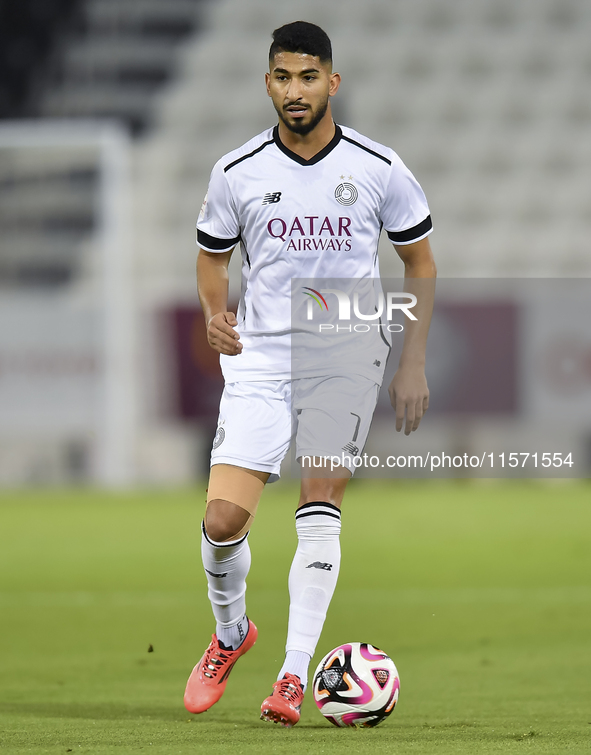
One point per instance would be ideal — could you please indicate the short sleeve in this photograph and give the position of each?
(405, 212)
(218, 229)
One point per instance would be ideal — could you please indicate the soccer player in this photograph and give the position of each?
(307, 198)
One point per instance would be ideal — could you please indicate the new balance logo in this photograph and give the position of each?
(272, 198)
(377, 363)
(319, 565)
(225, 574)
(351, 448)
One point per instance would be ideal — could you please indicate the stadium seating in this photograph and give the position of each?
(74, 59)
(486, 102)
(118, 55)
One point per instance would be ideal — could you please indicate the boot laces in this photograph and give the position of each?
(289, 688)
(214, 661)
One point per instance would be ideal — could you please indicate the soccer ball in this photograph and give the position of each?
(356, 685)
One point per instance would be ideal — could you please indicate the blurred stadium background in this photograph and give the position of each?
(112, 115)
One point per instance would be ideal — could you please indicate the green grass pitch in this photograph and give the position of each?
(480, 592)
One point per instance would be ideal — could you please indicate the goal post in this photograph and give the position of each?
(104, 284)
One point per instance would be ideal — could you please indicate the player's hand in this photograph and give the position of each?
(221, 334)
(409, 395)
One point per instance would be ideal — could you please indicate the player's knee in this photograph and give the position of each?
(224, 520)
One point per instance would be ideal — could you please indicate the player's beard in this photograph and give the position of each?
(302, 129)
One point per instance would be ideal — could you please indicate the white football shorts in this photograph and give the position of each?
(327, 416)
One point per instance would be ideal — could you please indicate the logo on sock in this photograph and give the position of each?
(319, 565)
(225, 574)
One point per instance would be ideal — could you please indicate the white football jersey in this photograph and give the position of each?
(305, 219)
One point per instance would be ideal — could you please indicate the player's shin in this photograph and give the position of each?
(312, 581)
(226, 567)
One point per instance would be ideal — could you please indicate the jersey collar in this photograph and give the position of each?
(317, 157)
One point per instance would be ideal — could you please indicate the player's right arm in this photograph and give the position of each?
(212, 285)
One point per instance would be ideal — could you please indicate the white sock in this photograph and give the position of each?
(226, 566)
(296, 663)
(233, 636)
(312, 580)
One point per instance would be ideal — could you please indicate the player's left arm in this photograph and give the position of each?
(408, 390)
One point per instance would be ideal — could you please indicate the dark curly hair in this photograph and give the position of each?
(302, 37)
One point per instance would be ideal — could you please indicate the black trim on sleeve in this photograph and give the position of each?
(338, 134)
(250, 154)
(218, 245)
(405, 237)
(367, 149)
